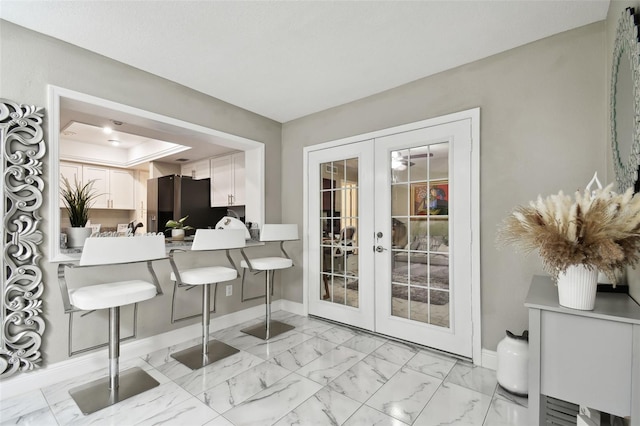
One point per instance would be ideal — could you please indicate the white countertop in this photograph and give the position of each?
(169, 243)
(543, 294)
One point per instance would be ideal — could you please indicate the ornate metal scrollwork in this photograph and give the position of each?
(626, 144)
(23, 149)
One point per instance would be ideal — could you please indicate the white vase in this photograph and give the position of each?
(77, 235)
(577, 287)
(513, 363)
(177, 234)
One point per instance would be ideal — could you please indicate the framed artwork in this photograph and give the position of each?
(430, 198)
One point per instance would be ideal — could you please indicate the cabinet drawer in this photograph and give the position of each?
(587, 360)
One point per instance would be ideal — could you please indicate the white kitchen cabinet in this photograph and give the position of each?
(73, 173)
(116, 187)
(100, 176)
(141, 196)
(197, 169)
(227, 180)
(122, 189)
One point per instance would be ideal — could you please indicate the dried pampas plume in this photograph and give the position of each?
(599, 229)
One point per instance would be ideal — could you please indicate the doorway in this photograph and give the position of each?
(390, 221)
(67, 105)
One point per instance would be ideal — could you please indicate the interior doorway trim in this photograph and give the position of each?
(473, 115)
(254, 154)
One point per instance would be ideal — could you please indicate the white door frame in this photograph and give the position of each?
(472, 114)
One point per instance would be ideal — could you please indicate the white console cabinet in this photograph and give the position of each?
(227, 180)
(589, 358)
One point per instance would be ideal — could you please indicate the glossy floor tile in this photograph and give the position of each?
(319, 373)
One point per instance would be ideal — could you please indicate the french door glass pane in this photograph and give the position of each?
(339, 224)
(420, 234)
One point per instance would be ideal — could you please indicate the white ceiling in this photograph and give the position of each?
(97, 135)
(288, 59)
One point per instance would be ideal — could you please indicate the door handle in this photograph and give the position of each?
(379, 249)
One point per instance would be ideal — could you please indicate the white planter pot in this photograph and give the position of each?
(177, 234)
(76, 236)
(577, 287)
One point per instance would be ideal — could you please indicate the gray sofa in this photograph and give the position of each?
(423, 248)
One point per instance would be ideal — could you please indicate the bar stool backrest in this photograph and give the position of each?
(279, 232)
(114, 250)
(217, 239)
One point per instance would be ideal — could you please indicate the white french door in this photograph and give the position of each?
(423, 267)
(342, 200)
(389, 243)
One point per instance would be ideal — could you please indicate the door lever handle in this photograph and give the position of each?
(379, 249)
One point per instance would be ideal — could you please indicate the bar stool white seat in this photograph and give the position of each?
(208, 351)
(104, 296)
(269, 233)
(202, 276)
(103, 251)
(268, 263)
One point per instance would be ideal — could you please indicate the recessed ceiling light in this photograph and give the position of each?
(114, 142)
(107, 130)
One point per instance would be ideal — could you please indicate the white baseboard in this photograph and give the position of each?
(293, 307)
(73, 367)
(489, 359)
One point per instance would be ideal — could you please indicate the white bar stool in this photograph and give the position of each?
(270, 232)
(206, 240)
(110, 390)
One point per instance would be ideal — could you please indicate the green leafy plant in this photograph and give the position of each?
(78, 200)
(178, 224)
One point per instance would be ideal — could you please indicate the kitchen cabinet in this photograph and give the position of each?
(197, 169)
(116, 187)
(227, 180)
(73, 173)
(141, 196)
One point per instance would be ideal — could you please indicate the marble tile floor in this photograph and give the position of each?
(319, 373)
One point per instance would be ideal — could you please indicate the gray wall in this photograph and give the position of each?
(29, 61)
(543, 129)
(543, 123)
(613, 15)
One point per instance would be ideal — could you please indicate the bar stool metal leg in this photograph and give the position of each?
(114, 348)
(117, 387)
(267, 292)
(206, 319)
(207, 352)
(269, 328)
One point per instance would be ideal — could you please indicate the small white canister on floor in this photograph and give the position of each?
(513, 363)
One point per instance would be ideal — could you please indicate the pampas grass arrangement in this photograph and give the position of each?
(599, 229)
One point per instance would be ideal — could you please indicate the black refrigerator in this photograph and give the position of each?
(173, 197)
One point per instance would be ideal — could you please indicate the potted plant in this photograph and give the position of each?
(577, 237)
(177, 228)
(78, 199)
